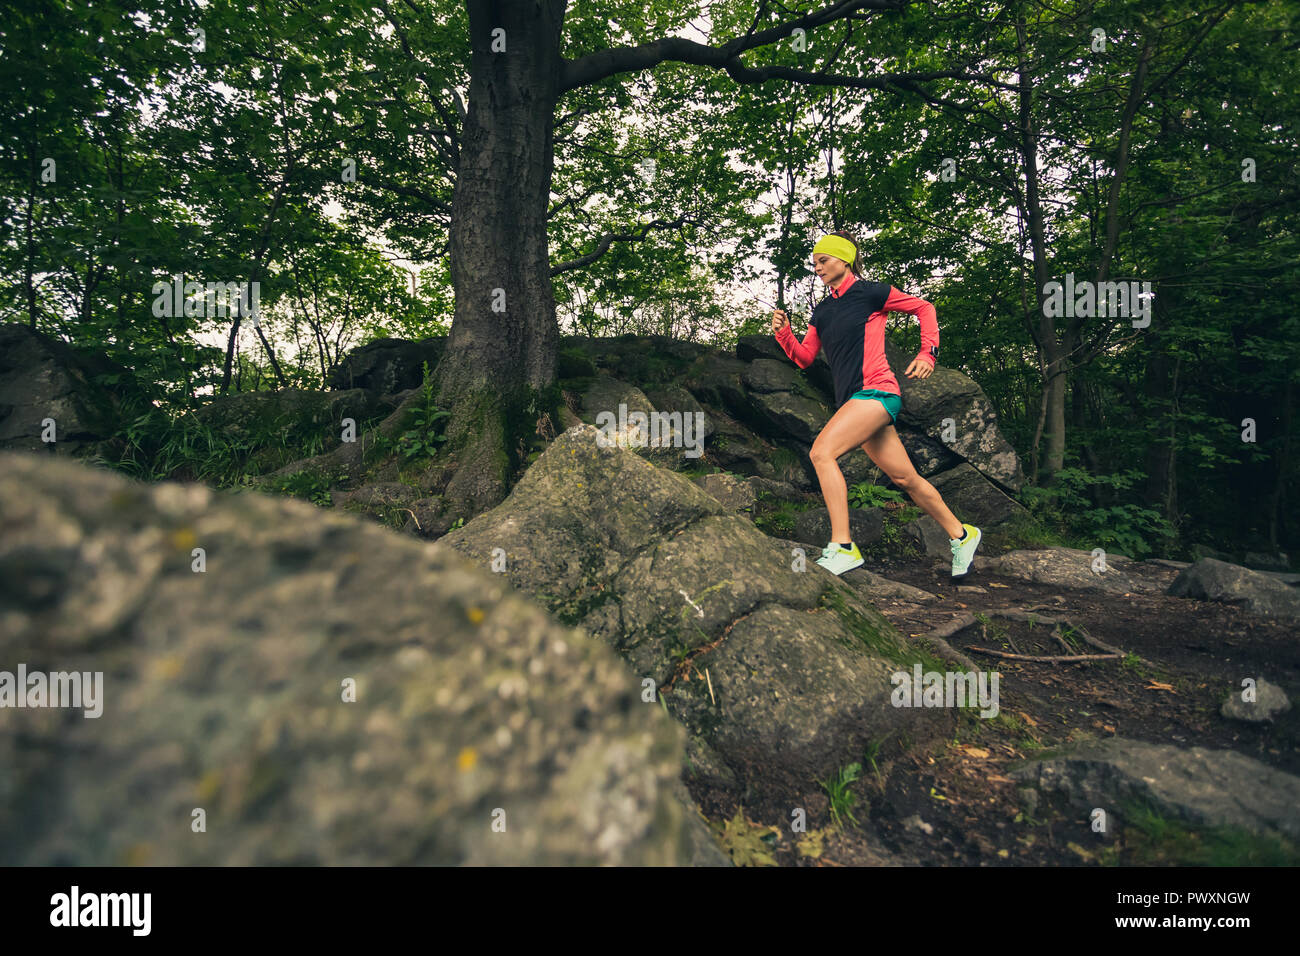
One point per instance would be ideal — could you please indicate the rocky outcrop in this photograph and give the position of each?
(761, 412)
(926, 536)
(976, 500)
(386, 366)
(43, 378)
(299, 417)
(1267, 561)
(482, 732)
(866, 526)
(779, 670)
(1195, 784)
(952, 409)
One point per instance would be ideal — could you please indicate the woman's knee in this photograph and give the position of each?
(907, 483)
(820, 455)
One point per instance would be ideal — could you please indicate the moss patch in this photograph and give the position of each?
(786, 461)
(876, 637)
(1152, 839)
(776, 516)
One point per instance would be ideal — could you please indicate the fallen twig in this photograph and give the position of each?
(1024, 615)
(1062, 659)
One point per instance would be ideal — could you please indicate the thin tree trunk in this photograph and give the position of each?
(1277, 500)
(1156, 389)
(256, 272)
(1054, 359)
(28, 268)
(1171, 497)
(787, 217)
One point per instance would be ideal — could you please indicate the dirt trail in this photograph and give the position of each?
(955, 805)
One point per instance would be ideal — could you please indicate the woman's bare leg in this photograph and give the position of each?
(855, 422)
(887, 451)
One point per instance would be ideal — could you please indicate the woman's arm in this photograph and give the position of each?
(803, 352)
(925, 314)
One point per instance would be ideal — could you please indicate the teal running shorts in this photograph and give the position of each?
(893, 403)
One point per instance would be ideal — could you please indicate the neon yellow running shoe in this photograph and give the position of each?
(837, 560)
(963, 550)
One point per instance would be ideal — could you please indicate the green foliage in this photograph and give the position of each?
(747, 843)
(842, 798)
(778, 515)
(994, 629)
(865, 494)
(1123, 528)
(310, 485)
(159, 443)
(422, 430)
(1132, 662)
(424, 435)
(872, 751)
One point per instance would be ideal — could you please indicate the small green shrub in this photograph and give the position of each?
(1124, 527)
(867, 495)
(422, 430)
(841, 797)
(310, 485)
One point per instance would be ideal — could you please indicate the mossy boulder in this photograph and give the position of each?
(327, 692)
(647, 562)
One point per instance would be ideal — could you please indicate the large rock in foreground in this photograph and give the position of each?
(223, 691)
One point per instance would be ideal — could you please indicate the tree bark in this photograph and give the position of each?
(499, 365)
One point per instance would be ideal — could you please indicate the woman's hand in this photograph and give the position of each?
(779, 320)
(919, 368)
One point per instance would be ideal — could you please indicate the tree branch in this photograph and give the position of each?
(597, 66)
(603, 244)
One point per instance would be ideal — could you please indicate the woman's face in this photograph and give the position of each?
(829, 269)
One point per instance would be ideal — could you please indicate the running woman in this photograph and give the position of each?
(850, 324)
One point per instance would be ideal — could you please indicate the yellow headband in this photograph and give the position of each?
(836, 246)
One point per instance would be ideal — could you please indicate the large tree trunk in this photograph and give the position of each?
(497, 375)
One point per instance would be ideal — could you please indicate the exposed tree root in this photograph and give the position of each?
(937, 639)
